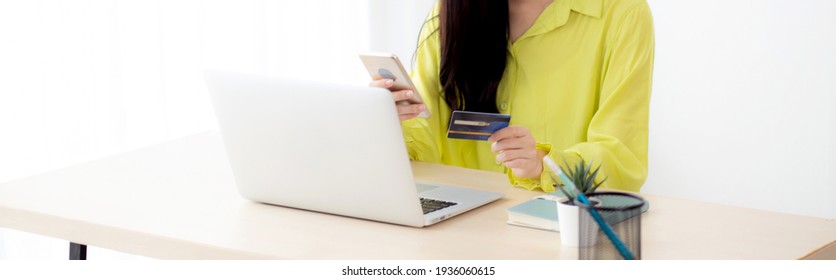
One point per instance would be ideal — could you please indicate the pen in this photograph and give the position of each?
(622, 249)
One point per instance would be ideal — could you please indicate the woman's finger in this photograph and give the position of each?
(513, 143)
(515, 154)
(402, 95)
(382, 83)
(509, 132)
(407, 116)
(410, 109)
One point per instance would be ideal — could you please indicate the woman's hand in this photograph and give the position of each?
(406, 110)
(516, 149)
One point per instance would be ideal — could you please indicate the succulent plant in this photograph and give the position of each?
(583, 175)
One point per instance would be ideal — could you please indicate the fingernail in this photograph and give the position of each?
(389, 82)
(409, 93)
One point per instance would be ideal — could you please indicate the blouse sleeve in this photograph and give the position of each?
(421, 134)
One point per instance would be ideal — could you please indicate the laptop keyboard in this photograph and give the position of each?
(432, 205)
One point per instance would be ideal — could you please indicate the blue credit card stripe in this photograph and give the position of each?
(481, 118)
(468, 137)
(491, 128)
(471, 132)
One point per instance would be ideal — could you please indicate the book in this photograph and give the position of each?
(541, 212)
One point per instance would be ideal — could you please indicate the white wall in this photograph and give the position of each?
(743, 101)
(395, 26)
(79, 80)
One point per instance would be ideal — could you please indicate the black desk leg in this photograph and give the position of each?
(78, 251)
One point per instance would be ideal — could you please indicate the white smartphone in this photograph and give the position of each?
(388, 66)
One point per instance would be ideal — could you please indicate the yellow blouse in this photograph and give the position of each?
(579, 78)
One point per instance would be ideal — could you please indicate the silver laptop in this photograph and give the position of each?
(327, 148)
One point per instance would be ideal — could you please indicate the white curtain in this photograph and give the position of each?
(82, 79)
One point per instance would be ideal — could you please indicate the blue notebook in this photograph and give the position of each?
(541, 212)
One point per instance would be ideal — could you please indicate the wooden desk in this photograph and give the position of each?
(177, 200)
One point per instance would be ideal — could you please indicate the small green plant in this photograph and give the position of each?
(583, 176)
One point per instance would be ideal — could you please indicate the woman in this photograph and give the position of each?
(575, 76)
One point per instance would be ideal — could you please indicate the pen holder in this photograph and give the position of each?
(623, 213)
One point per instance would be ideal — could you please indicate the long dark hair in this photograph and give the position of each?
(474, 40)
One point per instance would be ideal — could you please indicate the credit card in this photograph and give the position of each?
(475, 126)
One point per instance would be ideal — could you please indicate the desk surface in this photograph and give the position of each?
(177, 200)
